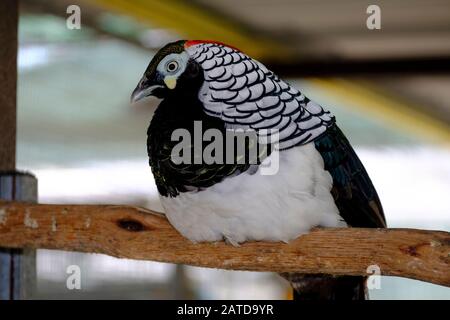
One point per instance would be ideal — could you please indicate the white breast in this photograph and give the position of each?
(277, 207)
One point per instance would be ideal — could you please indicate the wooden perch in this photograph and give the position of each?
(135, 233)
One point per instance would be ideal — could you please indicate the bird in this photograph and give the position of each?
(319, 180)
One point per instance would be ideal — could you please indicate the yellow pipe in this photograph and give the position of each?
(193, 22)
(395, 113)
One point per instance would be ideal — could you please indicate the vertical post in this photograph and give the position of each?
(8, 81)
(17, 267)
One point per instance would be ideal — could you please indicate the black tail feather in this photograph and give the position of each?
(327, 287)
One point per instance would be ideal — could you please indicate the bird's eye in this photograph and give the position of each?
(172, 66)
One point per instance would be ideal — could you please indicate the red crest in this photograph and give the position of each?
(190, 43)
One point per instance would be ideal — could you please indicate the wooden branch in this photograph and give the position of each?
(136, 233)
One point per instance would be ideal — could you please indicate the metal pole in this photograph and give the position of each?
(17, 266)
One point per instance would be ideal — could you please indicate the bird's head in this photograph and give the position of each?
(171, 70)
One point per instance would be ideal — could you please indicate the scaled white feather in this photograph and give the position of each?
(244, 93)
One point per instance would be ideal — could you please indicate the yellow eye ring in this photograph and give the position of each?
(172, 66)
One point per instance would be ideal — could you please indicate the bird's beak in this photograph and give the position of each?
(144, 89)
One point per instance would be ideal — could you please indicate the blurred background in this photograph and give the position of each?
(389, 89)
